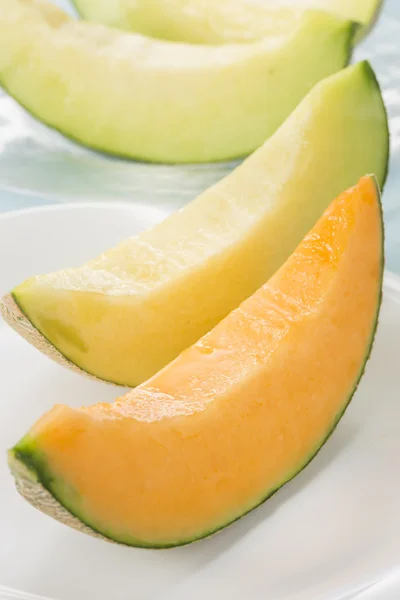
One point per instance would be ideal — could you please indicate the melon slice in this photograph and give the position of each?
(126, 314)
(235, 416)
(221, 22)
(134, 96)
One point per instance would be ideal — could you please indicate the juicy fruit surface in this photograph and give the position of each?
(129, 312)
(161, 101)
(208, 22)
(239, 413)
(192, 21)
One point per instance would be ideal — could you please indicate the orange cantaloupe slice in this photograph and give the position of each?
(236, 415)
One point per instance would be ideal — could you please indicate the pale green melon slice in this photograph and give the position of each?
(127, 313)
(133, 96)
(221, 21)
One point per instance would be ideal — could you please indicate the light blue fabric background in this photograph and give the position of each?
(38, 166)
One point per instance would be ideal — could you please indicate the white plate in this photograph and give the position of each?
(334, 529)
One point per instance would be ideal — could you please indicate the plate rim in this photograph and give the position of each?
(61, 206)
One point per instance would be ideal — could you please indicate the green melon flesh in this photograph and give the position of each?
(125, 314)
(218, 22)
(133, 96)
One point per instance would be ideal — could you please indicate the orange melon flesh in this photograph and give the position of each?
(239, 413)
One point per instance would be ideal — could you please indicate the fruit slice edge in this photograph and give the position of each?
(17, 320)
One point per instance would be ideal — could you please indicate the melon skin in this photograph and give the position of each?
(48, 492)
(216, 103)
